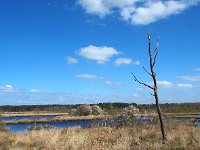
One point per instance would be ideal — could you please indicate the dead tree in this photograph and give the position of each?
(152, 62)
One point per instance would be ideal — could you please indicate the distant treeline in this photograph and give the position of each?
(167, 108)
(173, 107)
(58, 107)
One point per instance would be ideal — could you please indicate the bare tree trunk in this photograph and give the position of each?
(153, 74)
(164, 137)
(152, 62)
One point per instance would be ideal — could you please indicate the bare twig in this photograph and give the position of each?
(147, 71)
(142, 82)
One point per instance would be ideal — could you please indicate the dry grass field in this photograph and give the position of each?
(181, 136)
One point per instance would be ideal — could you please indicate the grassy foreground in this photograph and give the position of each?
(180, 136)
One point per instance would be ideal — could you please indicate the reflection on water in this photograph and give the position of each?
(58, 124)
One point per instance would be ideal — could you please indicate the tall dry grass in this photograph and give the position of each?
(139, 137)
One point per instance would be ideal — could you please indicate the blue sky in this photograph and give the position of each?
(84, 51)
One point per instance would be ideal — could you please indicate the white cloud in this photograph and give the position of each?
(196, 69)
(127, 12)
(123, 61)
(170, 85)
(71, 60)
(7, 88)
(104, 7)
(137, 62)
(86, 76)
(113, 84)
(180, 85)
(190, 78)
(139, 12)
(35, 91)
(99, 54)
(167, 84)
(94, 7)
(139, 89)
(108, 83)
(157, 10)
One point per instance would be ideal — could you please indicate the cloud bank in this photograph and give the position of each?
(190, 78)
(137, 12)
(167, 84)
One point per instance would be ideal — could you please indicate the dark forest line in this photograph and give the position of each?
(166, 108)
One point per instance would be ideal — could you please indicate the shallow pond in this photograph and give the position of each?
(83, 123)
(65, 124)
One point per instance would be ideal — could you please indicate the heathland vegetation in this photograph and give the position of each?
(137, 137)
(131, 135)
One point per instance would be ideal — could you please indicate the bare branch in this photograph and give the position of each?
(153, 54)
(149, 47)
(156, 52)
(147, 72)
(142, 82)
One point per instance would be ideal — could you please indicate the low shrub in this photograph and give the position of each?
(84, 110)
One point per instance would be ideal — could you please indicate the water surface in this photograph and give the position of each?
(82, 123)
(57, 124)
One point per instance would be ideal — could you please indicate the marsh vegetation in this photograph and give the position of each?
(180, 136)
